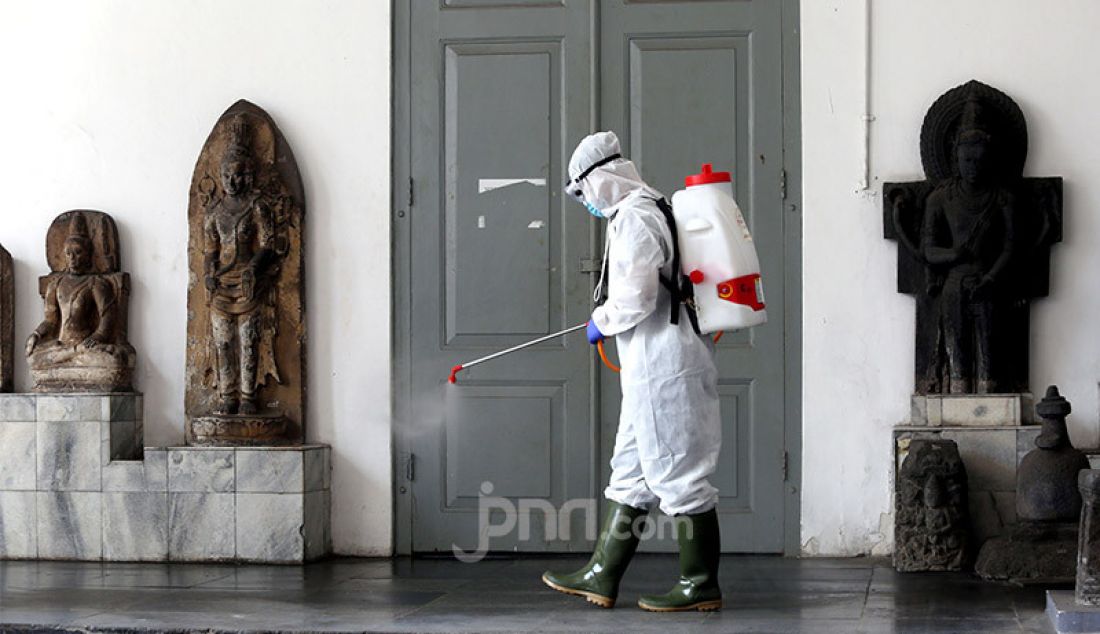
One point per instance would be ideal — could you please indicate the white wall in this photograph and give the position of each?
(106, 104)
(858, 332)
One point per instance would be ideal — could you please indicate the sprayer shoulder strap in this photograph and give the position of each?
(600, 296)
(679, 286)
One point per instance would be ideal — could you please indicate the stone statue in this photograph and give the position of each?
(81, 344)
(975, 243)
(238, 272)
(1087, 590)
(246, 328)
(7, 321)
(931, 523)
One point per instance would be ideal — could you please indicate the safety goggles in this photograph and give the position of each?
(573, 186)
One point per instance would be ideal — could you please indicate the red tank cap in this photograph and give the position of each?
(707, 177)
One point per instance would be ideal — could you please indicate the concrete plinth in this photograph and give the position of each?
(1067, 616)
(971, 410)
(75, 483)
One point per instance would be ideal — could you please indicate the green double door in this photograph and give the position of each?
(493, 97)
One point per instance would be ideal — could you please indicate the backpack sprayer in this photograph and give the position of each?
(717, 256)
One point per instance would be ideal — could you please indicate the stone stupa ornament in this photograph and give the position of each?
(81, 344)
(1042, 546)
(974, 243)
(1046, 488)
(246, 331)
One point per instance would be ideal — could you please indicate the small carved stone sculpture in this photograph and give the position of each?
(1088, 544)
(974, 243)
(931, 521)
(7, 321)
(1041, 547)
(81, 345)
(246, 321)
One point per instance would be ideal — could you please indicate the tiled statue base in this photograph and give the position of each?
(991, 456)
(1066, 615)
(971, 410)
(74, 484)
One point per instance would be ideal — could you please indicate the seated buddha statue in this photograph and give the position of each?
(81, 344)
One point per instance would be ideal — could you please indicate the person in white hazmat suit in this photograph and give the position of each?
(669, 431)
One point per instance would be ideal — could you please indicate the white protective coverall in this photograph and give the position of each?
(669, 432)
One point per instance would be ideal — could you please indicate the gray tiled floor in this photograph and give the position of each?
(762, 594)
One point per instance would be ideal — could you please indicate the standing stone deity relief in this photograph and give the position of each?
(1088, 544)
(81, 344)
(974, 243)
(245, 327)
(7, 321)
(931, 523)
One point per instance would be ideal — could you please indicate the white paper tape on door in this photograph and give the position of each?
(489, 184)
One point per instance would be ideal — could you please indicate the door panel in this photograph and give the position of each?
(682, 104)
(499, 94)
(686, 83)
(502, 137)
(484, 422)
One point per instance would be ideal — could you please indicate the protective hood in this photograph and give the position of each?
(607, 186)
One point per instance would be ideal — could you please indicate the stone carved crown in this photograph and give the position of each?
(240, 137)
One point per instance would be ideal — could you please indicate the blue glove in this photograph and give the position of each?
(594, 334)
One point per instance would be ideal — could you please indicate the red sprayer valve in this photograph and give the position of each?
(743, 290)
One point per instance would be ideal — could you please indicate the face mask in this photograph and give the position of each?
(593, 210)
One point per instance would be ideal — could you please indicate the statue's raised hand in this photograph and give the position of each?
(32, 343)
(899, 199)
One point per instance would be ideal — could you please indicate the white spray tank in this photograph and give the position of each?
(717, 253)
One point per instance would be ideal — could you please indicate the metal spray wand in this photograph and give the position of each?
(469, 364)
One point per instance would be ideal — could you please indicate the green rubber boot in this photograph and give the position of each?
(598, 582)
(700, 547)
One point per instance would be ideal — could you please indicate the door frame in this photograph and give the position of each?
(401, 207)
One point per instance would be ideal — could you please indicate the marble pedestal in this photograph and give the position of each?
(1066, 615)
(971, 410)
(75, 483)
